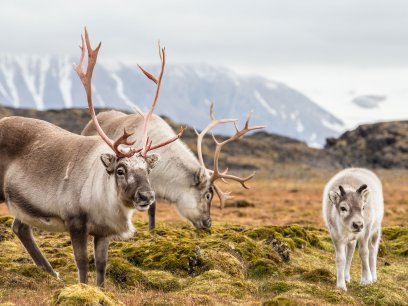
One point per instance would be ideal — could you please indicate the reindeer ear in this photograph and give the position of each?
(152, 160)
(363, 190)
(200, 176)
(108, 161)
(334, 197)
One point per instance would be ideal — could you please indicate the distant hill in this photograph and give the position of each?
(381, 145)
(45, 83)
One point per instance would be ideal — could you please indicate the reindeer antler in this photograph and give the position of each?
(86, 79)
(216, 174)
(147, 143)
(213, 123)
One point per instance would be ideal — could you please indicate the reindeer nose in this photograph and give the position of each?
(207, 223)
(146, 196)
(358, 225)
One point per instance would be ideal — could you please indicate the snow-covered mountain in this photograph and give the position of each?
(51, 83)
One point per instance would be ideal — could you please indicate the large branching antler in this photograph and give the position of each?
(215, 173)
(147, 143)
(86, 79)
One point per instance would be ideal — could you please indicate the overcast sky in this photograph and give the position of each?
(327, 48)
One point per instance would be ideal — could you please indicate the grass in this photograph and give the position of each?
(231, 264)
(274, 252)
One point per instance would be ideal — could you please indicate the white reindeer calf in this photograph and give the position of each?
(353, 208)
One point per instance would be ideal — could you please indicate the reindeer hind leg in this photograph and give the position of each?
(24, 233)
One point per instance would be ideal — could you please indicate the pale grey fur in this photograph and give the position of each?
(360, 222)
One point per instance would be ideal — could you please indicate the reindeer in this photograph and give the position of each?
(180, 177)
(353, 208)
(59, 181)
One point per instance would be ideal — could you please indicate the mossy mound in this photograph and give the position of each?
(398, 240)
(262, 268)
(281, 301)
(124, 275)
(223, 261)
(5, 228)
(228, 249)
(378, 294)
(82, 295)
(294, 235)
(319, 275)
(161, 280)
(215, 282)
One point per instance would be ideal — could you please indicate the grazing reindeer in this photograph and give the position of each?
(59, 181)
(353, 208)
(179, 177)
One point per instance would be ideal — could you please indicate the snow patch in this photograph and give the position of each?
(8, 72)
(333, 126)
(264, 103)
(120, 90)
(65, 83)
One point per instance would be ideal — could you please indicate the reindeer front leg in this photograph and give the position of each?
(363, 251)
(79, 239)
(101, 245)
(340, 264)
(152, 216)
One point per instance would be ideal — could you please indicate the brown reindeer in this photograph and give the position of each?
(59, 181)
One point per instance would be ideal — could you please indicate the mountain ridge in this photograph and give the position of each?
(49, 82)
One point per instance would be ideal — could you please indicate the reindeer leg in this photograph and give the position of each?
(101, 245)
(79, 239)
(152, 216)
(24, 233)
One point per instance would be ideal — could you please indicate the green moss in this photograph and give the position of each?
(231, 264)
(294, 235)
(82, 295)
(6, 220)
(262, 268)
(383, 294)
(275, 287)
(223, 261)
(123, 274)
(281, 301)
(161, 253)
(5, 228)
(319, 275)
(215, 282)
(398, 240)
(161, 280)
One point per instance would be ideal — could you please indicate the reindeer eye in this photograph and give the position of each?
(208, 196)
(120, 171)
(343, 208)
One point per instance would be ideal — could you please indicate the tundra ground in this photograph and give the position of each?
(255, 254)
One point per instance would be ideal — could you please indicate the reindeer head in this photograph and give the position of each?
(131, 178)
(130, 167)
(350, 206)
